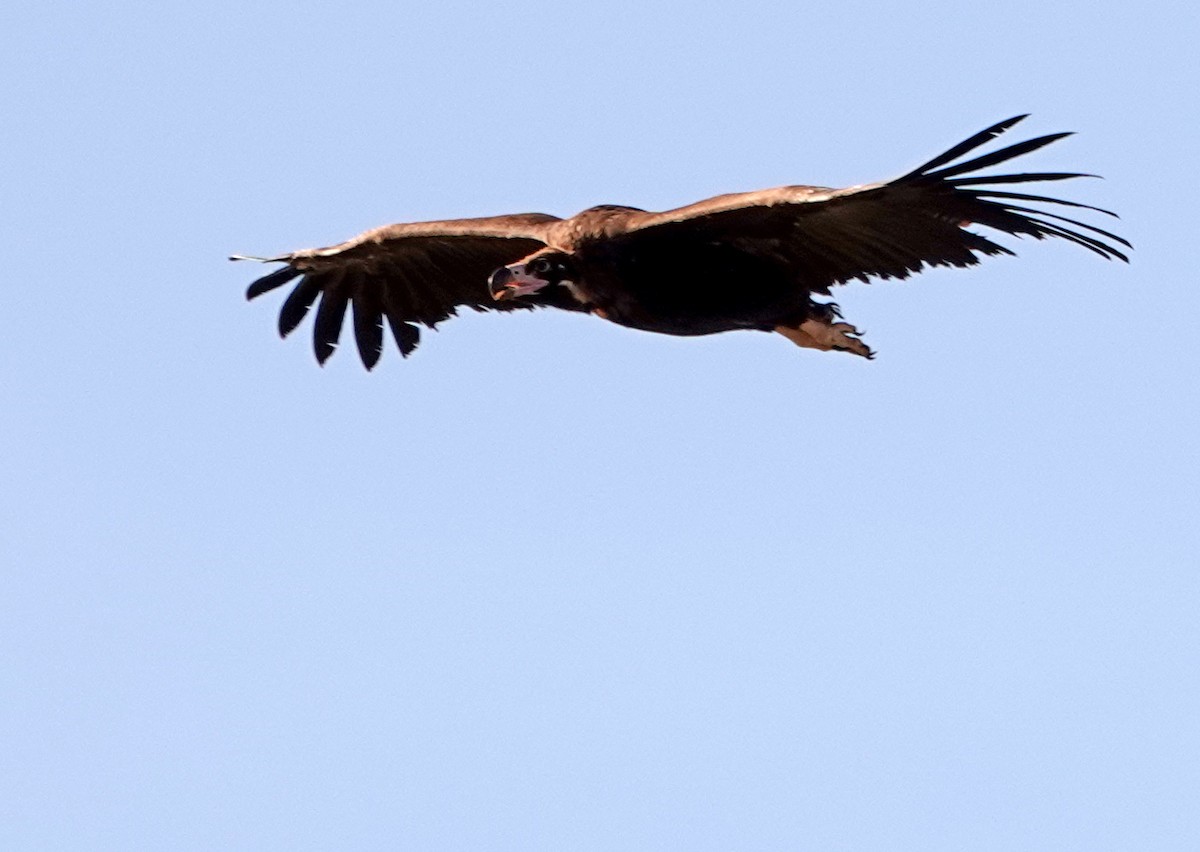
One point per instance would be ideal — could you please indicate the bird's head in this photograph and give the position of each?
(531, 275)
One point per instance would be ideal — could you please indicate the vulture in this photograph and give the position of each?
(748, 260)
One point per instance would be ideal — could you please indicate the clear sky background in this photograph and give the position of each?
(554, 584)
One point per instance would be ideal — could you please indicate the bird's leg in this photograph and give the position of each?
(828, 312)
(821, 330)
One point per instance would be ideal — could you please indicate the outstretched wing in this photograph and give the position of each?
(412, 273)
(892, 229)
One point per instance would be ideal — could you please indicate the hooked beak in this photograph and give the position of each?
(509, 282)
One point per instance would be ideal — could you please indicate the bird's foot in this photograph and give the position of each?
(826, 335)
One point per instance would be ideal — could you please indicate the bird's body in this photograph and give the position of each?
(741, 261)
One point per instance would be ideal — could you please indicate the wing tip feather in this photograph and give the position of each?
(271, 281)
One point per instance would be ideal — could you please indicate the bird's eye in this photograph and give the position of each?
(540, 266)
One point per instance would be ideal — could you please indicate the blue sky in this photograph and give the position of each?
(554, 584)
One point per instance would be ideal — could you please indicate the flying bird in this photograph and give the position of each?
(749, 260)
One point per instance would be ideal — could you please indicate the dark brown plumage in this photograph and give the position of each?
(748, 260)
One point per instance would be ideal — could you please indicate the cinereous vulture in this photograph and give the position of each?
(750, 260)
